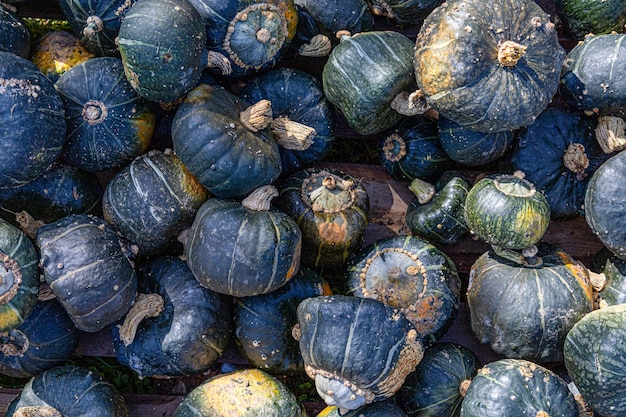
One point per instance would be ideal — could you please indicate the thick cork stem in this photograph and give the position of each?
(219, 61)
(45, 292)
(258, 116)
(94, 112)
(527, 256)
(261, 198)
(611, 133)
(37, 411)
(94, 25)
(292, 135)
(575, 159)
(464, 386)
(17, 344)
(410, 104)
(542, 413)
(423, 190)
(28, 224)
(598, 281)
(318, 46)
(382, 8)
(146, 305)
(509, 53)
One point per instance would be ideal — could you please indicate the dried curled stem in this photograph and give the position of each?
(410, 104)
(423, 190)
(318, 46)
(219, 61)
(261, 198)
(611, 133)
(258, 116)
(146, 305)
(37, 411)
(28, 224)
(291, 134)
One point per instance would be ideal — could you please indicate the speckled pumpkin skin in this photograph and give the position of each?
(582, 17)
(14, 35)
(57, 52)
(331, 16)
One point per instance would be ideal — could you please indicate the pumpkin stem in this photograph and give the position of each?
(509, 53)
(423, 190)
(394, 147)
(410, 104)
(584, 410)
(258, 116)
(509, 254)
(45, 292)
(37, 411)
(334, 196)
(296, 332)
(382, 8)
(146, 305)
(464, 386)
(94, 112)
(291, 134)
(261, 198)
(219, 61)
(10, 278)
(94, 25)
(575, 159)
(542, 413)
(611, 133)
(318, 46)
(13, 343)
(598, 281)
(28, 224)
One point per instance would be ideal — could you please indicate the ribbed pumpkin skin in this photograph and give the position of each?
(228, 159)
(541, 154)
(162, 45)
(19, 276)
(457, 67)
(594, 357)
(353, 343)
(582, 17)
(514, 387)
(108, 123)
(412, 275)
(32, 122)
(14, 35)
(87, 270)
(298, 96)
(61, 190)
(72, 390)
(47, 338)
(188, 336)
(58, 51)
(364, 73)
(432, 390)
(593, 72)
(243, 393)
(331, 16)
(385, 408)
(332, 215)
(241, 252)
(151, 200)
(263, 323)
(525, 311)
(604, 205)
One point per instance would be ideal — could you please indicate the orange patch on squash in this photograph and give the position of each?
(579, 272)
(332, 233)
(424, 314)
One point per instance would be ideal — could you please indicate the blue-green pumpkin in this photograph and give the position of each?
(14, 35)
(108, 123)
(404, 12)
(583, 17)
(611, 272)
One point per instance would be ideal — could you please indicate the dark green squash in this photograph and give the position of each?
(151, 200)
(212, 135)
(412, 275)
(594, 356)
(14, 35)
(175, 327)
(435, 388)
(87, 269)
(58, 51)
(245, 393)
(263, 323)
(524, 311)
(404, 12)
(583, 17)
(19, 276)
(70, 391)
(32, 122)
(304, 121)
(514, 387)
(331, 209)
(365, 73)
(358, 350)
(243, 248)
(108, 123)
(385, 408)
(488, 66)
(612, 275)
(47, 338)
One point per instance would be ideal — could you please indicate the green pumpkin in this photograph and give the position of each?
(594, 355)
(488, 66)
(515, 387)
(330, 17)
(14, 34)
(244, 393)
(58, 51)
(583, 17)
(404, 12)
(612, 274)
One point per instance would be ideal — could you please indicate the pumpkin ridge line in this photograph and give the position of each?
(353, 325)
(231, 278)
(118, 294)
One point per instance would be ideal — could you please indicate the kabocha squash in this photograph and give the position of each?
(612, 275)
(151, 200)
(488, 66)
(304, 121)
(175, 327)
(70, 391)
(108, 123)
(357, 350)
(435, 388)
(412, 150)
(57, 51)
(243, 248)
(225, 143)
(514, 387)
(87, 269)
(524, 311)
(47, 338)
(404, 12)
(584, 17)
(250, 35)
(363, 76)
(14, 35)
(32, 122)
(558, 153)
(19, 276)
(263, 323)
(385, 408)
(412, 275)
(331, 209)
(245, 392)
(594, 356)
(436, 213)
(470, 147)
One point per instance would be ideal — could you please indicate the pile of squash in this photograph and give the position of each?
(160, 176)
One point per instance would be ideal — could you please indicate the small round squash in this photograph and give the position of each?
(404, 12)
(14, 35)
